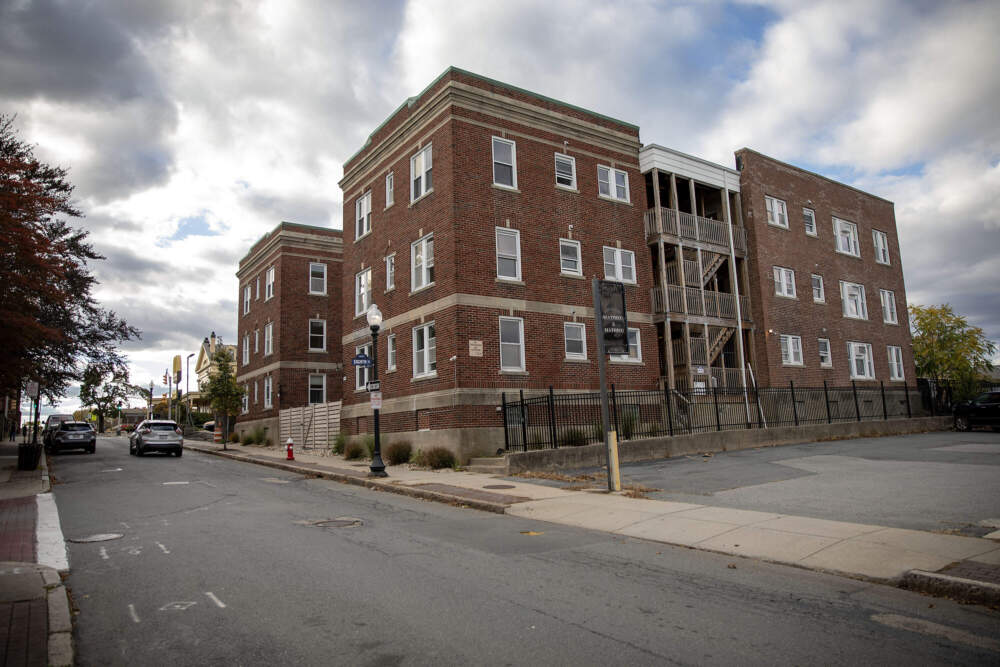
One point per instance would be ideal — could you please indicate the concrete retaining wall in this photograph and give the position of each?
(652, 449)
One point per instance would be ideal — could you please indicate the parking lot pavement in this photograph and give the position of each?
(941, 482)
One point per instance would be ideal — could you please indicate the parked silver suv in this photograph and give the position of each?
(71, 435)
(156, 435)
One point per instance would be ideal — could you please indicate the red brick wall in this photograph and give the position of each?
(792, 248)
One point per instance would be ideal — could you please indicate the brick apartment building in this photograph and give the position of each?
(475, 217)
(289, 329)
(826, 277)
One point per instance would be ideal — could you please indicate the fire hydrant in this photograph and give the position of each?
(291, 456)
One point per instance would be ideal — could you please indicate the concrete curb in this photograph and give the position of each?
(967, 591)
(391, 487)
(60, 646)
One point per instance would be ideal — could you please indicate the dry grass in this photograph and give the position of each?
(555, 476)
(637, 490)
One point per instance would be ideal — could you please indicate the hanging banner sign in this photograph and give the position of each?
(614, 323)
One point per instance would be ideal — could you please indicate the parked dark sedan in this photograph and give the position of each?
(983, 410)
(72, 435)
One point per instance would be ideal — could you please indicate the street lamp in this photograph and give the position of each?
(374, 317)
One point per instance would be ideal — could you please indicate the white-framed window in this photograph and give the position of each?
(784, 282)
(317, 335)
(612, 183)
(255, 385)
(791, 350)
(420, 173)
(825, 356)
(246, 299)
(363, 215)
(317, 389)
(424, 350)
(862, 364)
(847, 237)
(508, 244)
(504, 163)
(619, 265)
(565, 171)
(268, 392)
(888, 306)
(390, 360)
(389, 196)
(257, 293)
(256, 341)
(881, 242)
(895, 362)
(361, 373)
(422, 263)
(777, 212)
(569, 257)
(575, 340)
(511, 344)
(246, 349)
(268, 338)
(362, 291)
(819, 294)
(634, 347)
(269, 283)
(317, 278)
(246, 398)
(852, 296)
(809, 221)
(390, 271)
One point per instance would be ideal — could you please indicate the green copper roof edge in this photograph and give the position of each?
(452, 68)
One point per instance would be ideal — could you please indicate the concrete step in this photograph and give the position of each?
(488, 465)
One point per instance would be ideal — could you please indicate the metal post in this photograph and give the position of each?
(795, 408)
(826, 395)
(906, 388)
(885, 412)
(715, 399)
(524, 422)
(610, 437)
(614, 408)
(377, 468)
(503, 412)
(857, 408)
(34, 432)
(670, 410)
(552, 419)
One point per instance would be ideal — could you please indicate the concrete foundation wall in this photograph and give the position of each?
(270, 423)
(651, 449)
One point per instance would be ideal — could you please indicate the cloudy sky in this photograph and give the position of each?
(191, 128)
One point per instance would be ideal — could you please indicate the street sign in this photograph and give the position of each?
(614, 324)
(33, 390)
(374, 385)
(362, 360)
(376, 398)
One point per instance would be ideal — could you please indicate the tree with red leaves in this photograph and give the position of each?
(51, 327)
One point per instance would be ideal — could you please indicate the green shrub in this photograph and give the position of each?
(398, 452)
(258, 435)
(440, 457)
(246, 438)
(338, 443)
(353, 451)
(573, 437)
(369, 444)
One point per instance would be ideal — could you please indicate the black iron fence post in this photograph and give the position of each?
(670, 411)
(715, 399)
(795, 408)
(760, 409)
(552, 419)
(885, 411)
(503, 411)
(524, 422)
(614, 405)
(906, 388)
(826, 397)
(857, 408)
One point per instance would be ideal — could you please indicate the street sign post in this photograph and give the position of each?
(611, 330)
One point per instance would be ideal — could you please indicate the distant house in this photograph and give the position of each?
(205, 366)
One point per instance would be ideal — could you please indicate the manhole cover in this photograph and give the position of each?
(102, 537)
(499, 486)
(339, 522)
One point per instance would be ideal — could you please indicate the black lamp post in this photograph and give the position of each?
(374, 317)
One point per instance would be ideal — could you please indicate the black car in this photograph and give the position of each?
(983, 410)
(72, 435)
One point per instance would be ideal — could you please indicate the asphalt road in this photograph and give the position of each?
(218, 563)
(946, 481)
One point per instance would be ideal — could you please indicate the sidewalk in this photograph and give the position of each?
(35, 626)
(965, 568)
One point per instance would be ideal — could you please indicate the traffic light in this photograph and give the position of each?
(164, 378)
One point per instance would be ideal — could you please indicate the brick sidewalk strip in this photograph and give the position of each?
(18, 517)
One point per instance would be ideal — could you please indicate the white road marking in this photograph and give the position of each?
(219, 603)
(177, 606)
(174, 483)
(104, 553)
(937, 630)
(131, 611)
(112, 470)
(163, 548)
(135, 551)
(124, 525)
(50, 546)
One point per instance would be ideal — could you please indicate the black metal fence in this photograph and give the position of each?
(569, 420)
